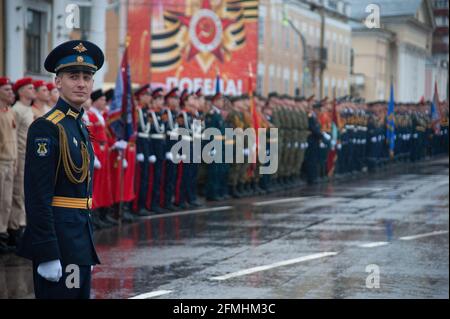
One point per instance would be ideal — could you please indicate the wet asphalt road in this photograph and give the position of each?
(326, 241)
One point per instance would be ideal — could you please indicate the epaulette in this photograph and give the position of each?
(56, 116)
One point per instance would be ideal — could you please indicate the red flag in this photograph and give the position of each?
(254, 113)
(332, 154)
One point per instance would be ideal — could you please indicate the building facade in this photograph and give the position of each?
(437, 66)
(31, 28)
(399, 50)
(289, 48)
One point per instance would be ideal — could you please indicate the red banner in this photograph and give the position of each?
(193, 40)
(138, 37)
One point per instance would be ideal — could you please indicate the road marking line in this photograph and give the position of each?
(440, 232)
(152, 294)
(188, 212)
(374, 244)
(280, 201)
(275, 265)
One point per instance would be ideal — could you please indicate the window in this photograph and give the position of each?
(441, 4)
(34, 41)
(287, 37)
(261, 30)
(259, 84)
(332, 4)
(334, 48)
(441, 21)
(273, 34)
(85, 22)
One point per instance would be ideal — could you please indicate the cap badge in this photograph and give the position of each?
(80, 48)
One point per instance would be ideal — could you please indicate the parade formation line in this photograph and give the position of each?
(152, 294)
(274, 265)
(189, 212)
(434, 233)
(374, 244)
(281, 201)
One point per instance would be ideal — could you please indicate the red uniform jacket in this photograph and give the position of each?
(102, 195)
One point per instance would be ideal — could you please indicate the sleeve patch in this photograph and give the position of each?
(42, 146)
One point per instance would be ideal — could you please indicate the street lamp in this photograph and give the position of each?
(287, 22)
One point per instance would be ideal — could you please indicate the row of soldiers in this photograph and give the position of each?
(20, 104)
(360, 143)
(143, 175)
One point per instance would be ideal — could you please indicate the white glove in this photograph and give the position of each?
(326, 136)
(246, 151)
(322, 145)
(50, 270)
(339, 146)
(152, 158)
(97, 164)
(140, 157)
(333, 143)
(124, 163)
(120, 145)
(296, 144)
(306, 145)
(169, 156)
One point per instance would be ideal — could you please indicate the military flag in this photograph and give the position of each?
(435, 113)
(390, 134)
(121, 119)
(332, 154)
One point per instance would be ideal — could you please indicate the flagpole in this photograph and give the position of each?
(121, 152)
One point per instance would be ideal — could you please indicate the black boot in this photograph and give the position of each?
(240, 190)
(195, 204)
(233, 192)
(157, 210)
(4, 248)
(248, 189)
(15, 237)
(143, 212)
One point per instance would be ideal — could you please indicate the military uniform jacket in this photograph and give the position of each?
(58, 189)
(143, 142)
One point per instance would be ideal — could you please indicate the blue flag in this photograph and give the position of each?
(390, 134)
(217, 84)
(435, 114)
(121, 119)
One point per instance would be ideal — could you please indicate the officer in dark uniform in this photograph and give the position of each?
(314, 139)
(58, 180)
(157, 150)
(143, 143)
(168, 117)
(216, 176)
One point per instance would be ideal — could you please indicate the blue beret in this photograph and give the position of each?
(75, 55)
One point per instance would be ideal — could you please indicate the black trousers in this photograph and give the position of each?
(44, 289)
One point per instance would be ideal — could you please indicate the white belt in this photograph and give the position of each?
(145, 135)
(173, 133)
(157, 136)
